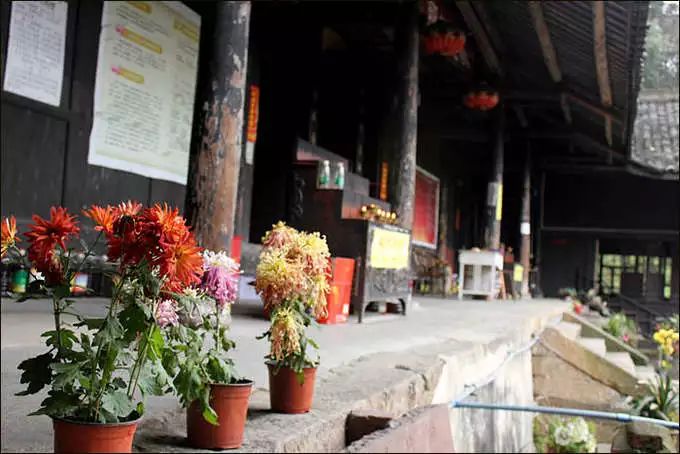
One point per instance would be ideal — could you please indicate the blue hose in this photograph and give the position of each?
(622, 417)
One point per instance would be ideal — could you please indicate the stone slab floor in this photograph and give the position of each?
(430, 321)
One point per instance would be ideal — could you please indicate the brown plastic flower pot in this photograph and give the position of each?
(71, 436)
(286, 394)
(230, 402)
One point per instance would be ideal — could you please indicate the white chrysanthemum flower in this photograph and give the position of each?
(218, 259)
(561, 436)
(591, 445)
(578, 429)
(191, 292)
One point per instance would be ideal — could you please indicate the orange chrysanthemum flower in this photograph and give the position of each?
(102, 217)
(128, 208)
(180, 263)
(45, 235)
(9, 234)
(168, 220)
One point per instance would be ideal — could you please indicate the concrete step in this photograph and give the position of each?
(594, 344)
(604, 447)
(621, 359)
(569, 329)
(645, 374)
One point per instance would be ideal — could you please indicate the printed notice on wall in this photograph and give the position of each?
(145, 88)
(35, 50)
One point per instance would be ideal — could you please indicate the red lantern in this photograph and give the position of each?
(481, 100)
(447, 42)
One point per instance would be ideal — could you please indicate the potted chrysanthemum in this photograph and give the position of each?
(206, 381)
(99, 370)
(292, 279)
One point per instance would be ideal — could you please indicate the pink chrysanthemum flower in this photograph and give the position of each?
(166, 314)
(220, 279)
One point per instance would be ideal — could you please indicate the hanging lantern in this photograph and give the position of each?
(484, 99)
(443, 39)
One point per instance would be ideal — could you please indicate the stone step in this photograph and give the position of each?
(645, 374)
(569, 329)
(594, 344)
(604, 447)
(621, 359)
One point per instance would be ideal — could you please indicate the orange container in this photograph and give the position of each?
(72, 436)
(287, 394)
(341, 291)
(230, 402)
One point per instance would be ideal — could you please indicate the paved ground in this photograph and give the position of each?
(430, 321)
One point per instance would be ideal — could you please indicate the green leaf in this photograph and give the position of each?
(210, 416)
(220, 371)
(62, 291)
(110, 331)
(313, 343)
(134, 321)
(156, 343)
(65, 374)
(153, 379)
(58, 404)
(36, 373)
(118, 403)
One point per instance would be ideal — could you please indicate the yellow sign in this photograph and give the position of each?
(518, 274)
(499, 203)
(389, 249)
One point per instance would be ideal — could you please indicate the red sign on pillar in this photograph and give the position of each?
(426, 216)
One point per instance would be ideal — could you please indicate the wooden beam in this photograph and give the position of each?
(566, 109)
(600, 52)
(608, 130)
(484, 17)
(521, 117)
(604, 111)
(547, 48)
(481, 38)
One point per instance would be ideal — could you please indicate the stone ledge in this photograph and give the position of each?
(393, 383)
(589, 329)
(590, 363)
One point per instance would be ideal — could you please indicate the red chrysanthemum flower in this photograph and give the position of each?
(45, 235)
(128, 208)
(102, 217)
(180, 263)
(9, 234)
(130, 240)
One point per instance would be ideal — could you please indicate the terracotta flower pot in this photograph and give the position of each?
(230, 402)
(71, 436)
(286, 394)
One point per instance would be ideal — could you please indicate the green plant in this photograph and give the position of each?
(562, 435)
(196, 352)
(622, 327)
(96, 367)
(660, 400)
(292, 279)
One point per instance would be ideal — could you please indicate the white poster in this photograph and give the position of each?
(35, 50)
(145, 88)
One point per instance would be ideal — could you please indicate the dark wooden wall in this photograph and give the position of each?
(612, 201)
(44, 149)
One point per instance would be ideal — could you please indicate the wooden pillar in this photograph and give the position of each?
(215, 161)
(494, 199)
(403, 185)
(443, 222)
(525, 225)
